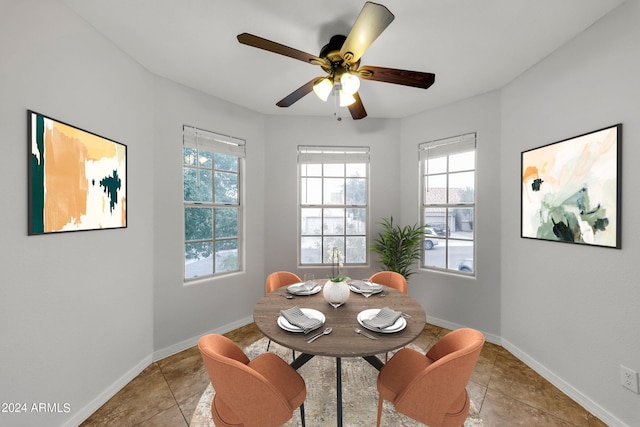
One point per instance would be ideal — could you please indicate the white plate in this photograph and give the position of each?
(292, 289)
(378, 289)
(400, 324)
(309, 312)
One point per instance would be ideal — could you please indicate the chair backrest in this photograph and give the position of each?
(243, 395)
(438, 395)
(391, 279)
(279, 279)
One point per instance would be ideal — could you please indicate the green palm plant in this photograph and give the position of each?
(398, 247)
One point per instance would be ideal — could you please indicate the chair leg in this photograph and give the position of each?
(379, 411)
(302, 414)
(268, 344)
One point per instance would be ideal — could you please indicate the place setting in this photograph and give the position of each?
(308, 287)
(300, 320)
(382, 320)
(365, 288)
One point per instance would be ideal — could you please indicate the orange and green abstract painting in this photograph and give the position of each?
(77, 180)
(571, 189)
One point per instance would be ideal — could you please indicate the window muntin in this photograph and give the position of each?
(448, 203)
(212, 165)
(333, 203)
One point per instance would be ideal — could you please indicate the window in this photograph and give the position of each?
(212, 173)
(333, 196)
(448, 171)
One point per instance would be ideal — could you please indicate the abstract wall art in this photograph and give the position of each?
(571, 189)
(77, 180)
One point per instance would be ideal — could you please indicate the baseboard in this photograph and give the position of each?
(190, 342)
(107, 394)
(494, 339)
(114, 388)
(605, 416)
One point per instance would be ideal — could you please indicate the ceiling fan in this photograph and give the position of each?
(340, 59)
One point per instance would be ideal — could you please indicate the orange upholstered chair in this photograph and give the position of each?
(262, 392)
(279, 279)
(391, 279)
(431, 388)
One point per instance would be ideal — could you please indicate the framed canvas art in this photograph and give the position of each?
(77, 180)
(571, 189)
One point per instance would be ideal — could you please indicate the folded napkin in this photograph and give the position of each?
(365, 286)
(386, 317)
(296, 317)
(305, 287)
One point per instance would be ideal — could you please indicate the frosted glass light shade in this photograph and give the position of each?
(350, 83)
(346, 99)
(323, 88)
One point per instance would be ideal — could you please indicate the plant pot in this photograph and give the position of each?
(336, 293)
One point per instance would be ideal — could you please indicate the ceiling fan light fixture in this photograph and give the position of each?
(350, 83)
(323, 88)
(346, 98)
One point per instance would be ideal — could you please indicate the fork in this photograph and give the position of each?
(361, 332)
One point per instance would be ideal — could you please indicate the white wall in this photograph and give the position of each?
(572, 312)
(284, 134)
(182, 313)
(75, 308)
(74, 329)
(451, 300)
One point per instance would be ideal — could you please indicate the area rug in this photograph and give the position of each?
(359, 394)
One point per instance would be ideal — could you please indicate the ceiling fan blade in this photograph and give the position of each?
(297, 94)
(371, 22)
(357, 109)
(400, 77)
(268, 45)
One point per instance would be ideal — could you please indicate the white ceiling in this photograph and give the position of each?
(473, 46)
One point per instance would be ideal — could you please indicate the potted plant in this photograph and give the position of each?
(336, 291)
(398, 247)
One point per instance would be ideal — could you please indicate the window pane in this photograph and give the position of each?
(309, 169)
(311, 221)
(461, 187)
(356, 250)
(226, 222)
(356, 170)
(435, 250)
(435, 189)
(356, 191)
(226, 187)
(436, 165)
(356, 221)
(328, 242)
(461, 255)
(198, 224)
(438, 220)
(205, 159)
(198, 259)
(333, 191)
(333, 169)
(226, 162)
(463, 223)
(462, 161)
(226, 255)
(311, 250)
(311, 191)
(333, 221)
(189, 156)
(197, 190)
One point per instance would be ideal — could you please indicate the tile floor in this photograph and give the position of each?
(507, 392)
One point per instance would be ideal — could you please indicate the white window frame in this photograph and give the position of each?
(213, 142)
(333, 155)
(439, 148)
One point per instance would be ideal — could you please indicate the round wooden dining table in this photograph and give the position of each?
(343, 341)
